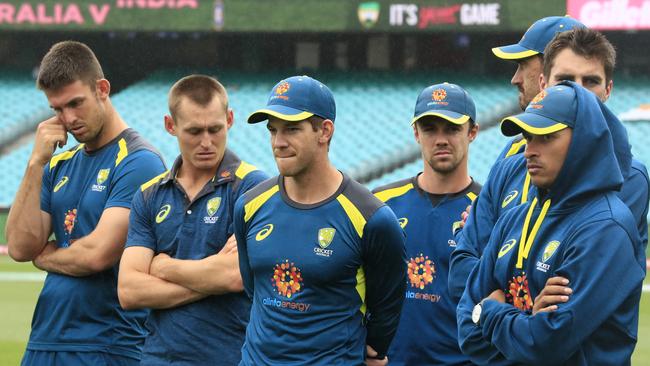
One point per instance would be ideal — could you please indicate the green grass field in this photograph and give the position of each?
(19, 299)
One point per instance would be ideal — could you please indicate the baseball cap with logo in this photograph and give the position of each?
(537, 37)
(447, 101)
(297, 98)
(552, 110)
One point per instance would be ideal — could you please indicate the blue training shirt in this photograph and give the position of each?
(427, 332)
(83, 313)
(317, 274)
(163, 220)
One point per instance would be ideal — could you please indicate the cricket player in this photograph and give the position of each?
(178, 259)
(429, 206)
(82, 196)
(321, 257)
(575, 226)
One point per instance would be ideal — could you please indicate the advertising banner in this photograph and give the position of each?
(415, 16)
(611, 14)
(108, 15)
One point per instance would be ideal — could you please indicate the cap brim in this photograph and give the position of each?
(513, 52)
(531, 123)
(453, 117)
(279, 111)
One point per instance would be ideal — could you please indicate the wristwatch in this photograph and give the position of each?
(476, 313)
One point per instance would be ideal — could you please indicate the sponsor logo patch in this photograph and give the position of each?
(266, 231)
(162, 214)
(102, 175)
(421, 271)
(69, 220)
(212, 207)
(368, 13)
(518, 293)
(549, 251)
(509, 198)
(507, 246)
(61, 183)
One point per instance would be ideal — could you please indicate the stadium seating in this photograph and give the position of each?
(372, 127)
(21, 104)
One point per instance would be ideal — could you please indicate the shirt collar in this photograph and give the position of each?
(225, 172)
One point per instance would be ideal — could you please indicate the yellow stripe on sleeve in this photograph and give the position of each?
(243, 170)
(153, 180)
(361, 288)
(471, 196)
(251, 207)
(64, 156)
(353, 213)
(123, 152)
(384, 196)
(514, 148)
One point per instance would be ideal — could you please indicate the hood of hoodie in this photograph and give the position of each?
(599, 155)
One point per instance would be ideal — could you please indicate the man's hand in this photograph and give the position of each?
(497, 295)
(463, 217)
(556, 291)
(40, 260)
(370, 352)
(49, 134)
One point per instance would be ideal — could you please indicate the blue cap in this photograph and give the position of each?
(537, 37)
(553, 109)
(297, 98)
(447, 101)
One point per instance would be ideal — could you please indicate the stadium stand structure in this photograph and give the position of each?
(374, 141)
(22, 105)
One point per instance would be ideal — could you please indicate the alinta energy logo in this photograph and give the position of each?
(282, 88)
(287, 281)
(535, 103)
(421, 272)
(518, 293)
(439, 95)
(69, 220)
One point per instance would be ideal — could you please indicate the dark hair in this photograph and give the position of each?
(585, 42)
(67, 62)
(200, 89)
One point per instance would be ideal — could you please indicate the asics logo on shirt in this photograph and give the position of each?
(509, 198)
(266, 231)
(162, 214)
(61, 183)
(403, 221)
(507, 246)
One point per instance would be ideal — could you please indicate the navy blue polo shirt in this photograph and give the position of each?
(164, 220)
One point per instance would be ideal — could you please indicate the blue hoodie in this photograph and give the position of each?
(508, 185)
(580, 230)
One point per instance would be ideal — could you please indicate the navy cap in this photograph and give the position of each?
(537, 37)
(448, 101)
(297, 98)
(553, 109)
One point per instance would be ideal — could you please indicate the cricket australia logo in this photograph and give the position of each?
(101, 178)
(549, 251)
(212, 208)
(325, 237)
